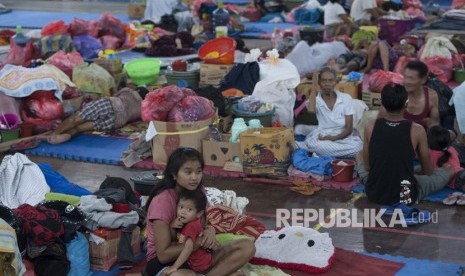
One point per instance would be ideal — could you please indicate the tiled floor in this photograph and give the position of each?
(444, 241)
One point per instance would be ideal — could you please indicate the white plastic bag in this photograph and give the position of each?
(438, 46)
(310, 59)
(276, 86)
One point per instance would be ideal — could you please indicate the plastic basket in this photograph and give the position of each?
(143, 71)
(393, 29)
(218, 51)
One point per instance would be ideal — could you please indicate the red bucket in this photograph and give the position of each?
(218, 51)
(343, 170)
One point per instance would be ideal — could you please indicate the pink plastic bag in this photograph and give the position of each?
(158, 104)
(111, 42)
(83, 27)
(192, 109)
(381, 78)
(66, 62)
(441, 67)
(19, 55)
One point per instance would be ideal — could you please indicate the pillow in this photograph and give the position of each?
(295, 248)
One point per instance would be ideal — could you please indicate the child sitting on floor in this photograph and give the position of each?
(191, 210)
(441, 153)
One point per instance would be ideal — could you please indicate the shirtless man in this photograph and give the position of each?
(423, 102)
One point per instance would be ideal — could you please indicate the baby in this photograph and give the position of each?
(191, 210)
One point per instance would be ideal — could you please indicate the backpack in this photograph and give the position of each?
(444, 95)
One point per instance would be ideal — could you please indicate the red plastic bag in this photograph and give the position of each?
(441, 67)
(192, 109)
(43, 105)
(158, 104)
(110, 25)
(55, 28)
(458, 4)
(42, 110)
(19, 55)
(401, 63)
(381, 78)
(83, 27)
(66, 62)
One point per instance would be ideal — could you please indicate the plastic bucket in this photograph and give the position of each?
(265, 118)
(9, 135)
(218, 51)
(343, 172)
(185, 79)
(143, 71)
(459, 75)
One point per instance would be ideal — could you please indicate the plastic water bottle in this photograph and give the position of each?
(237, 128)
(276, 37)
(19, 38)
(220, 17)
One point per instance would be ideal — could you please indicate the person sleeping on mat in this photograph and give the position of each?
(102, 114)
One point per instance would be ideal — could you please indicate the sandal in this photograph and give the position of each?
(452, 198)
(461, 200)
(305, 190)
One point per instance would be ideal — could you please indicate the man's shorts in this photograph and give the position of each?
(100, 112)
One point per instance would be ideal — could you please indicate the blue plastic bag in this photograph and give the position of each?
(88, 46)
(59, 184)
(77, 252)
(317, 165)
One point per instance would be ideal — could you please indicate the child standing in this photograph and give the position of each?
(191, 214)
(442, 153)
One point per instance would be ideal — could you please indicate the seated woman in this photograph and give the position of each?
(336, 20)
(334, 135)
(381, 55)
(183, 172)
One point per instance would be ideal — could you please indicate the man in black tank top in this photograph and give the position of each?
(390, 147)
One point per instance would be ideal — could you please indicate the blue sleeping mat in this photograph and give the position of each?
(38, 19)
(86, 148)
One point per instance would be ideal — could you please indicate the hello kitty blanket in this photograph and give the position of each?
(296, 248)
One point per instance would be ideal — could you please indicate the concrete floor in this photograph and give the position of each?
(444, 241)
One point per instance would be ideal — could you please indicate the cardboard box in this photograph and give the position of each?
(218, 153)
(103, 256)
(136, 11)
(267, 152)
(212, 74)
(354, 89)
(373, 100)
(171, 136)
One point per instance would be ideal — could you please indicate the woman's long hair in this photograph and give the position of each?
(439, 139)
(178, 158)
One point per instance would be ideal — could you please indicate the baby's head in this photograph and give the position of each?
(191, 205)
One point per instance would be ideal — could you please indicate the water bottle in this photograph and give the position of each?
(276, 37)
(237, 128)
(19, 38)
(220, 18)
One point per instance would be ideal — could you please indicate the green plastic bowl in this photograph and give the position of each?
(143, 71)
